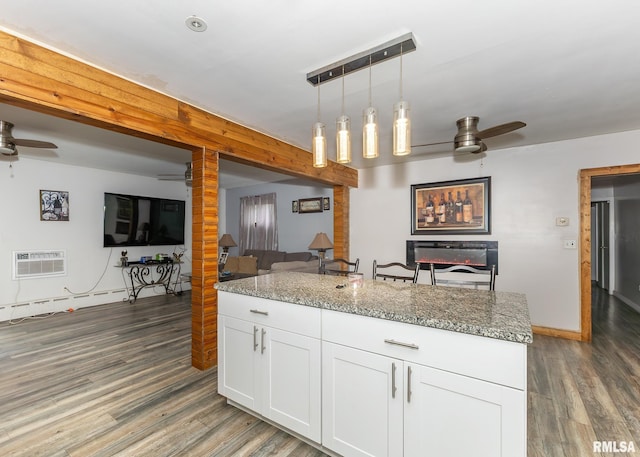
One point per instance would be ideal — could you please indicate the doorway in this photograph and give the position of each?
(600, 250)
(585, 260)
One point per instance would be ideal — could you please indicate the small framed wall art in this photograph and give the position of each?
(54, 205)
(310, 205)
(294, 206)
(326, 203)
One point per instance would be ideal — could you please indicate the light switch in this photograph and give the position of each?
(562, 221)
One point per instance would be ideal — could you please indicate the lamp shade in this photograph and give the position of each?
(343, 139)
(319, 145)
(370, 133)
(401, 129)
(227, 241)
(321, 242)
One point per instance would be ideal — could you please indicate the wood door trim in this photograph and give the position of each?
(585, 238)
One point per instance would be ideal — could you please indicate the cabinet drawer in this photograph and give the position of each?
(489, 359)
(304, 320)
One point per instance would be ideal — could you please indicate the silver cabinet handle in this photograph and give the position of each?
(400, 343)
(264, 332)
(257, 311)
(409, 384)
(255, 338)
(393, 380)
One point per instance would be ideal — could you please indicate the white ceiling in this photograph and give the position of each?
(567, 68)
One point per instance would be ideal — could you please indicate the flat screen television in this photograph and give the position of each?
(131, 220)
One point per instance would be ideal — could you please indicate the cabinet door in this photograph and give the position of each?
(361, 412)
(292, 381)
(450, 415)
(238, 369)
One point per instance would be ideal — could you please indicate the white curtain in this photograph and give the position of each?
(258, 222)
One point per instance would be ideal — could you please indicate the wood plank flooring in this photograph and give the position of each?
(580, 393)
(116, 380)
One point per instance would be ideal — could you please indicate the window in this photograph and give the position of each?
(258, 222)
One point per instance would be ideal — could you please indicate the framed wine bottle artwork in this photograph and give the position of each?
(450, 207)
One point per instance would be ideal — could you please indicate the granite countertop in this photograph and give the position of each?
(501, 315)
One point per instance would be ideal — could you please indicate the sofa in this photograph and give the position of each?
(260, 261)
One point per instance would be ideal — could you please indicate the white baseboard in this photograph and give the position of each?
(45, 306)
(626, 301)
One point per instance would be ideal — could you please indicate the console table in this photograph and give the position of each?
(149, 274)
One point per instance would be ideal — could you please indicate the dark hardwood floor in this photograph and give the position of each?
(116, 380)
(580, 393)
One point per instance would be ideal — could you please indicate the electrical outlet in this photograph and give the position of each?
(562, 221)
(570, 244)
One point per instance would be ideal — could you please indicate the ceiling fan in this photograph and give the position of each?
(469, 138)
(187, 176)
(8, 144)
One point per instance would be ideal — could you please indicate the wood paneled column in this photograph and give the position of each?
(39, 79)
(204, 298)
(341, 222)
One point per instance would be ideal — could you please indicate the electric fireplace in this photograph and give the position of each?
(478, 254)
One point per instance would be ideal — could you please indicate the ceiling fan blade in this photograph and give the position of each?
(171, 177)
(500, 129)
(34, 143)
(430, 144)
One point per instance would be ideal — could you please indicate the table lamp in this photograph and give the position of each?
(226, 242)
(321, 243)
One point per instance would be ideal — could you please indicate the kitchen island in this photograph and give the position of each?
(389, 369)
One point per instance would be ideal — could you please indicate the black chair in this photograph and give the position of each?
(393, 268)
(337, 269)
(472, 278)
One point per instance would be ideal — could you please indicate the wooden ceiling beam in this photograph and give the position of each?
(40, 79)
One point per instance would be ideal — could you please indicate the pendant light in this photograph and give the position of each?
(319, 139)
(370, 127)
(343, 133)
(401, 123)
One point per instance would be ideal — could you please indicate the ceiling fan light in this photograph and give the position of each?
(319, 145)
(343, 139)
(473, 145)
(8, 150)
(370, 133)
(401, 129)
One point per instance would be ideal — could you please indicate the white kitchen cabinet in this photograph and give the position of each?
(453, 415)
(377, 401)
(362, 403)
(269, 370)
(364, 386)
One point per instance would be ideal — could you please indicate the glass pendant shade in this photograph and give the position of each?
(401, 129)
(319, 145)
(343, 139)
(370, 133)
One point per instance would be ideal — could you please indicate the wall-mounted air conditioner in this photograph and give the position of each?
(39, 264)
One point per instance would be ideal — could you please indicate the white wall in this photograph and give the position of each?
(295, 230)
(531, 186)
(91, 274)
(627, 240)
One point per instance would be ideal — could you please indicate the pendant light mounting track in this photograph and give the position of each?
(365, 59)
